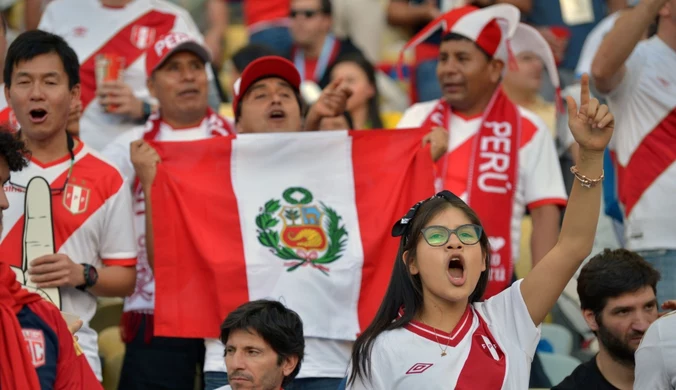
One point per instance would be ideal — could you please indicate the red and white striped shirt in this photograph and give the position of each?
(92, 221)
(644, 143)
(491, 348)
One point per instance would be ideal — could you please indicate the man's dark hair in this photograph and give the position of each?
(613, 273)
(13, 150)
(458, 37)
(250, 53)
(33, 43)
(280, 327)
(325, 7)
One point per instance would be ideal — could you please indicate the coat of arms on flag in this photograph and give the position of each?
(310, 234)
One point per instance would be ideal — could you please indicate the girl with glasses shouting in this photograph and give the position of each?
(433, 331)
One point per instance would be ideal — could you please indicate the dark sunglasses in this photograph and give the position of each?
(307, 13)
(468, 234)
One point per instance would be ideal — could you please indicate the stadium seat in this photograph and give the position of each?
(560, 338)
(111, 350)
(558, 367)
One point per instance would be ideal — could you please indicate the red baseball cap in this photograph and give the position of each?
(264, 67)
(170, 43)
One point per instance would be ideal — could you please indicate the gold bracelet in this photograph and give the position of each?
(584, 180)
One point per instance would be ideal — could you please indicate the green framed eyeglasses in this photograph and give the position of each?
(468, 234)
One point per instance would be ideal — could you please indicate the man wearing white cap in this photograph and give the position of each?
(499, 157)
(267, 100)
(639, 80)
(177, 77)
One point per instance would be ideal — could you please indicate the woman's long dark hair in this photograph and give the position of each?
(405, 290)
(374, 102)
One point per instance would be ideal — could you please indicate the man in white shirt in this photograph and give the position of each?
(264, 346)
(119, 31)
(655, 357)
(87, 234)
(176, 66)
(639, 80)
(528, 176)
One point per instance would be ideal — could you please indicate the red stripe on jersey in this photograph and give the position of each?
(119, 262)
(458, 167)
(548, 201)
(86, 171)
(122, 45)
(486, 366)
(439, 336)
(528, 131)
(651, 158)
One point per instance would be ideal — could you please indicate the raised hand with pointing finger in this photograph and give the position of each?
(592, 124)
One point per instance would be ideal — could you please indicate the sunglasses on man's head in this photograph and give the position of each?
(468, 234)
(307, 13)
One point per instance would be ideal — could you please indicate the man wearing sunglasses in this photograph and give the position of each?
(91, 231)
(315, 48)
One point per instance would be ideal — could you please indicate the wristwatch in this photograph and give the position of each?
(91, 276)
(147, 110)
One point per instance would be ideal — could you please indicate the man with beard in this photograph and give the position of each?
(617, 296)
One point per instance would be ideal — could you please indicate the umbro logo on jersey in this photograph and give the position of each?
(80, 31)
(664, 82)
(35, 342)
(419, 368)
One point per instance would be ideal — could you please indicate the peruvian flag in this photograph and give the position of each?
(303, 218)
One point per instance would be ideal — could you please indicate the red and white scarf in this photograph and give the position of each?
(492, 178)
(216, 125)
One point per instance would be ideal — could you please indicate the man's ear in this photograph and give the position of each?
(410, 263)
(289, 364)
(590, 318)
(495, 68)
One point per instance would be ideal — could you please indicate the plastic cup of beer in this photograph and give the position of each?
(109, 67)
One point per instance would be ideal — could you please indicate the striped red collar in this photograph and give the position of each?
(452, 339)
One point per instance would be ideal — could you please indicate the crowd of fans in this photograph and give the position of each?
(551, 125)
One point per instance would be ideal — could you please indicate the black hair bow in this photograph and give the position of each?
(401, 226)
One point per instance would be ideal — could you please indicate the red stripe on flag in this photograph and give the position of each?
(652, 157)
(122, 45)
(391, 173)
(200, 270)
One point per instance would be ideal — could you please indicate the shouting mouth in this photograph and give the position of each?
(456, 270)
(277, 115)
(38, 115)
